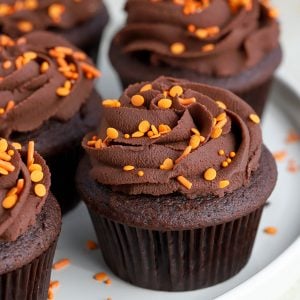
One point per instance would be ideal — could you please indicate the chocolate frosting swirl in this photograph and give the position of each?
(42, 77)
(217, 40)
(239, 144)
(16, 220)
(19, 17)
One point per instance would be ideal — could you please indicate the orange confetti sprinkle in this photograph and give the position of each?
(292, 137)
(280, 155)
(91, 245)
(61, 264)
(271, 230)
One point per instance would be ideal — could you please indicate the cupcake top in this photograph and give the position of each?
(42, 77)
(24, 187)
(18, 17)
(173, 135)
(214, 37)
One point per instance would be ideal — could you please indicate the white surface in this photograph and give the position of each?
(280, 279)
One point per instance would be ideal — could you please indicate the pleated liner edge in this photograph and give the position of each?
(30, 282)
(177, 260)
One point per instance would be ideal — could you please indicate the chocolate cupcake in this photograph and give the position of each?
(230, 44)
(47, 95)
(30, 222)
(80, 22)
(175, 182)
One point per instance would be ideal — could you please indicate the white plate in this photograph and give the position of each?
(272, 268)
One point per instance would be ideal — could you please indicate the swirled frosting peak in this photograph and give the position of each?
(24, 187)
(213, 37)
(173, 135)
(23, 16)
(42, 76)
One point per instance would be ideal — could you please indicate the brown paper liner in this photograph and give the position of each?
(177, 260)
(31, 282)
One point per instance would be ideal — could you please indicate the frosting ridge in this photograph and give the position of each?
(24, 187)
(221, 38)
(20, 17)
(42, 76)
(173, 135)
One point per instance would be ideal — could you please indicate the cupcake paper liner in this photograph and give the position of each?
(177, 260)
(31, 282)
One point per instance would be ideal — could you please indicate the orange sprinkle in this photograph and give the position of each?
(5, 156)
(292, 137)
(162, 128)
(141, 173)
(187, 101)
(54, 284)
(10, 201)
(128, 168)
(271, 230)
(210, 174)
(10, 105)
(185, 153)
(280, 155)
(185, 182)
(137, 134)
(101, 277)
(7, 166)
(112, 133)
(60, 264)
(221, 152)
(62, 92)
(292, 166)
(40, 190)
(79, 55)
(30, 153)
(90, 70)
(144, 126)
(44, 67)
(108, 281)
(20, 185)
(176, 90)
(216, 132)
(154, 130)
(137, 100)
(195, 131)
(6, 64)
(164, 103)
(191, 28)
(177, 48)
(91, 245)
(254, 118)
(167, 165)
(221, 104)
(223, 184)
(111, 103)
(208, 48)
(64, 50)
(146, 87)
(50, 294)
(25, 26)
(3, 145)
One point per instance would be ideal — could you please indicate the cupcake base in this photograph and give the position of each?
(26, 264)
(60, 145)
(177, 260)
(172, 243)
(251, 85)
(87, 36)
